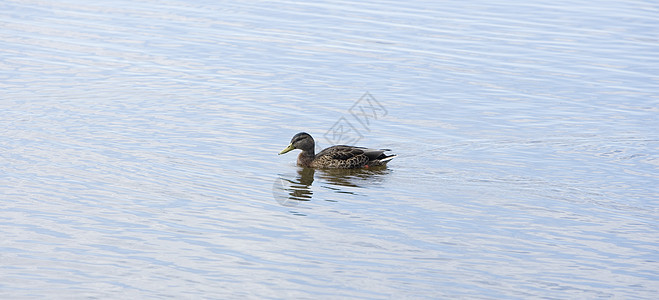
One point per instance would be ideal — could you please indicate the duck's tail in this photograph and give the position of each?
(381, 161)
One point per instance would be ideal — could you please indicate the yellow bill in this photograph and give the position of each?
(287, 149)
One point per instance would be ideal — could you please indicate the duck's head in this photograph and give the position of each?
(302, 141)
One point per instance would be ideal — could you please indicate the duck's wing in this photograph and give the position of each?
(349, 157)
(342, 156)
(341, 152)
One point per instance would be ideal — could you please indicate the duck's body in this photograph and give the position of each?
(336, 157)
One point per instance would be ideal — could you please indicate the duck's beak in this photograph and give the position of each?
(287, 149)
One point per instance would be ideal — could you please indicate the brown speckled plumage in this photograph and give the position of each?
(336, 157)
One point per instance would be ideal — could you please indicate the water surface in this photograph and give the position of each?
(139, 141)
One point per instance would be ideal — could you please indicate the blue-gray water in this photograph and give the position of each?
(139, 141)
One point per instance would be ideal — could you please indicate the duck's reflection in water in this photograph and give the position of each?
(289, 191)
(352, 177)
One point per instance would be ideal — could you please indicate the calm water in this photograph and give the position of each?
(139, 141)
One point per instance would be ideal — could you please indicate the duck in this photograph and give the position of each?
(335, 157)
